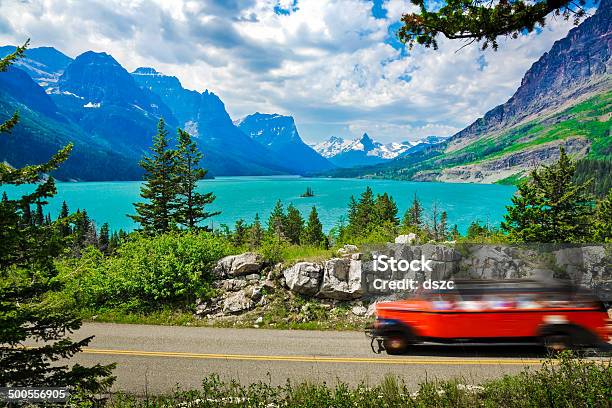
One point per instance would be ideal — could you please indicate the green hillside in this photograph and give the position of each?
(585, 127)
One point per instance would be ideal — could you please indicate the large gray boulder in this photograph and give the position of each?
(586, 265)
(239, 265)
(304, 277)
(406, 239)
(237, 302)
(341, 279)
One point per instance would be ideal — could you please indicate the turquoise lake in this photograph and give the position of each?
(243, 197)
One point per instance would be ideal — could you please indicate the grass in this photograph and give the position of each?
(581, 120)
(589, 119)
(565, 382)
(284, 310)
(297, 253)
(512, 180)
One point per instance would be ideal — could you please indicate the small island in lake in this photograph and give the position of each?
(307, 193)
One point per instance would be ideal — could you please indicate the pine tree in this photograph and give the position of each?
(352, 213)
(276, 221)
(362, 214)
(240, 233)
(64, 225)
(256, 233)
(443, 227)
(413, 215)
(156, 215)
(385, 209)
(550, 207)
(104, 239)
(26, 218)
(313, 232)
(39, 218)
(31, 310)
(602, 226)
(113, 243)
(81, 228)
(294, 225)
(486, 21)
(190, 209)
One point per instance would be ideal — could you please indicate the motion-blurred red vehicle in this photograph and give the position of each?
(556, 316)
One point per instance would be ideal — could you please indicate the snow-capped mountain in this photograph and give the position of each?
(359, 152)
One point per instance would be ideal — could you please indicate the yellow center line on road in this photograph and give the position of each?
(315, 359)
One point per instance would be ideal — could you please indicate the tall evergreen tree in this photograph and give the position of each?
(362, 214)
(81, 228)
(64, 225)
(385, 209)
(30, 308)
(104, 238)
(26, 218)
(113, 242)
(240, 233)
(602, 227)
(443, 227)
(156, 215)
(550, 207)
(39, 218)
(413, 217)
(276, 221)
(190, 209)
(313, 232)
(294, 224)
(256, 233)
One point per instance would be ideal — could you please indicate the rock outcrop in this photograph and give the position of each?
(341, 279)
(349, 280)
(239, 265)
(304, 277)
(406, 239)
(237, 302)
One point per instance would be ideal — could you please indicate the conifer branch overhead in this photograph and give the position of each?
(483, 20)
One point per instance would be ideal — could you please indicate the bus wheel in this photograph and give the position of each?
(557, 343)
(395, 344)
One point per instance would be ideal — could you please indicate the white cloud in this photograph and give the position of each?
(325, 62)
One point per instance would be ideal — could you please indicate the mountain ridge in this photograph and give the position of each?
(279, 134)
(365, 150)
(564, 99)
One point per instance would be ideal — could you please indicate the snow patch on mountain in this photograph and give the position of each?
(337, 145)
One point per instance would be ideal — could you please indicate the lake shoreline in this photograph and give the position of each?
(242, 197)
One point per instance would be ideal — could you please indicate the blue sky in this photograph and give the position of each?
(335, 65)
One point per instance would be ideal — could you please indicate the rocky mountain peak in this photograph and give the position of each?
(146, 71)
(270, 128)
(98, 77)
(367, 142)
(576, 66)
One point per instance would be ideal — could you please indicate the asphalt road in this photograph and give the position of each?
(155, 359)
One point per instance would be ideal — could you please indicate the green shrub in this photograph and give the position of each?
(146, 272)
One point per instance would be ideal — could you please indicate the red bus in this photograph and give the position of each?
(554, 315)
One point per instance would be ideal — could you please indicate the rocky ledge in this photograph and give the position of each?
(246, 285)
